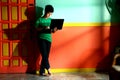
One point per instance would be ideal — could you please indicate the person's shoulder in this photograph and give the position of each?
(49, 18)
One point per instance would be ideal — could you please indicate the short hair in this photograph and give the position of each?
(49, 8)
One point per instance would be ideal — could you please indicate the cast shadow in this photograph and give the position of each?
(114, 28)
(24, 34)
(114, 37)
(113, 7)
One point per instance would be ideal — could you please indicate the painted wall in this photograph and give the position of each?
(78, 10)
(84, 40)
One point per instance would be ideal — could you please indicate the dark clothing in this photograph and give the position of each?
(44, 47)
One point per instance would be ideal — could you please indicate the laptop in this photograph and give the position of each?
(56, 23)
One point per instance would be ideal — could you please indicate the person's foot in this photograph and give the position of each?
(42, 71)
(48, 72)
(43, 74)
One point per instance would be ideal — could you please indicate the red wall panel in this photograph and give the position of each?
(80, 47)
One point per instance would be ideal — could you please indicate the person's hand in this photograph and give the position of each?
(55, 29)
(47, 27)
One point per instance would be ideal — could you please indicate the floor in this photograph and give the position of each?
(57, 76)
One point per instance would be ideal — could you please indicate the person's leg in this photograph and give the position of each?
(48, 52)
(41, 49)
(44, 49)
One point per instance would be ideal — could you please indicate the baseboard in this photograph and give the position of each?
(71, 70)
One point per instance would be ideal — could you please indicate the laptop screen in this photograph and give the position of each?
(56, 23)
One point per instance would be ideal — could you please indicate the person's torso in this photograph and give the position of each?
(45, 22)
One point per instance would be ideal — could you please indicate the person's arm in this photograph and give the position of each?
(46, 29)
(40, 28)
(43, 29)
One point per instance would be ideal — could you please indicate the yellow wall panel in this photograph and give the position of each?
(24, 63)
(5, 36)
(4, 26)
(5, 49)
(24, 1)
(15, 62)
(15, 49)
(14, 13)
(4, 13)
(14, 1)
(24, 50)
(24, 17)
(14, 26)
(5, 62)
(15, 36)
(3, 0)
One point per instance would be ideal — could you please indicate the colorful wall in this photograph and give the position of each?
(83, 43)
(87, 41)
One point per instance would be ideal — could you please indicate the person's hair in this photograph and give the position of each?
(49, 8)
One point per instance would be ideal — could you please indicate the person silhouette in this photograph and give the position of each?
(44, 38)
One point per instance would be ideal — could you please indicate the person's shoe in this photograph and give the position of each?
(48, 72)
(42, 70)
(43, 74)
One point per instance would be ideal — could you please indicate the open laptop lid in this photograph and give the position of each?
(56, 23)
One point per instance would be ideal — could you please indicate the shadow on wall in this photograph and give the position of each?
(115, 26)
(113, 7)
(25, 35)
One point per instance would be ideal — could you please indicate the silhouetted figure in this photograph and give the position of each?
(26, 35)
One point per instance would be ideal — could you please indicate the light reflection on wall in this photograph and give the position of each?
(78, 10)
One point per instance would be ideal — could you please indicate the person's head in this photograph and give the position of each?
(48, 10)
